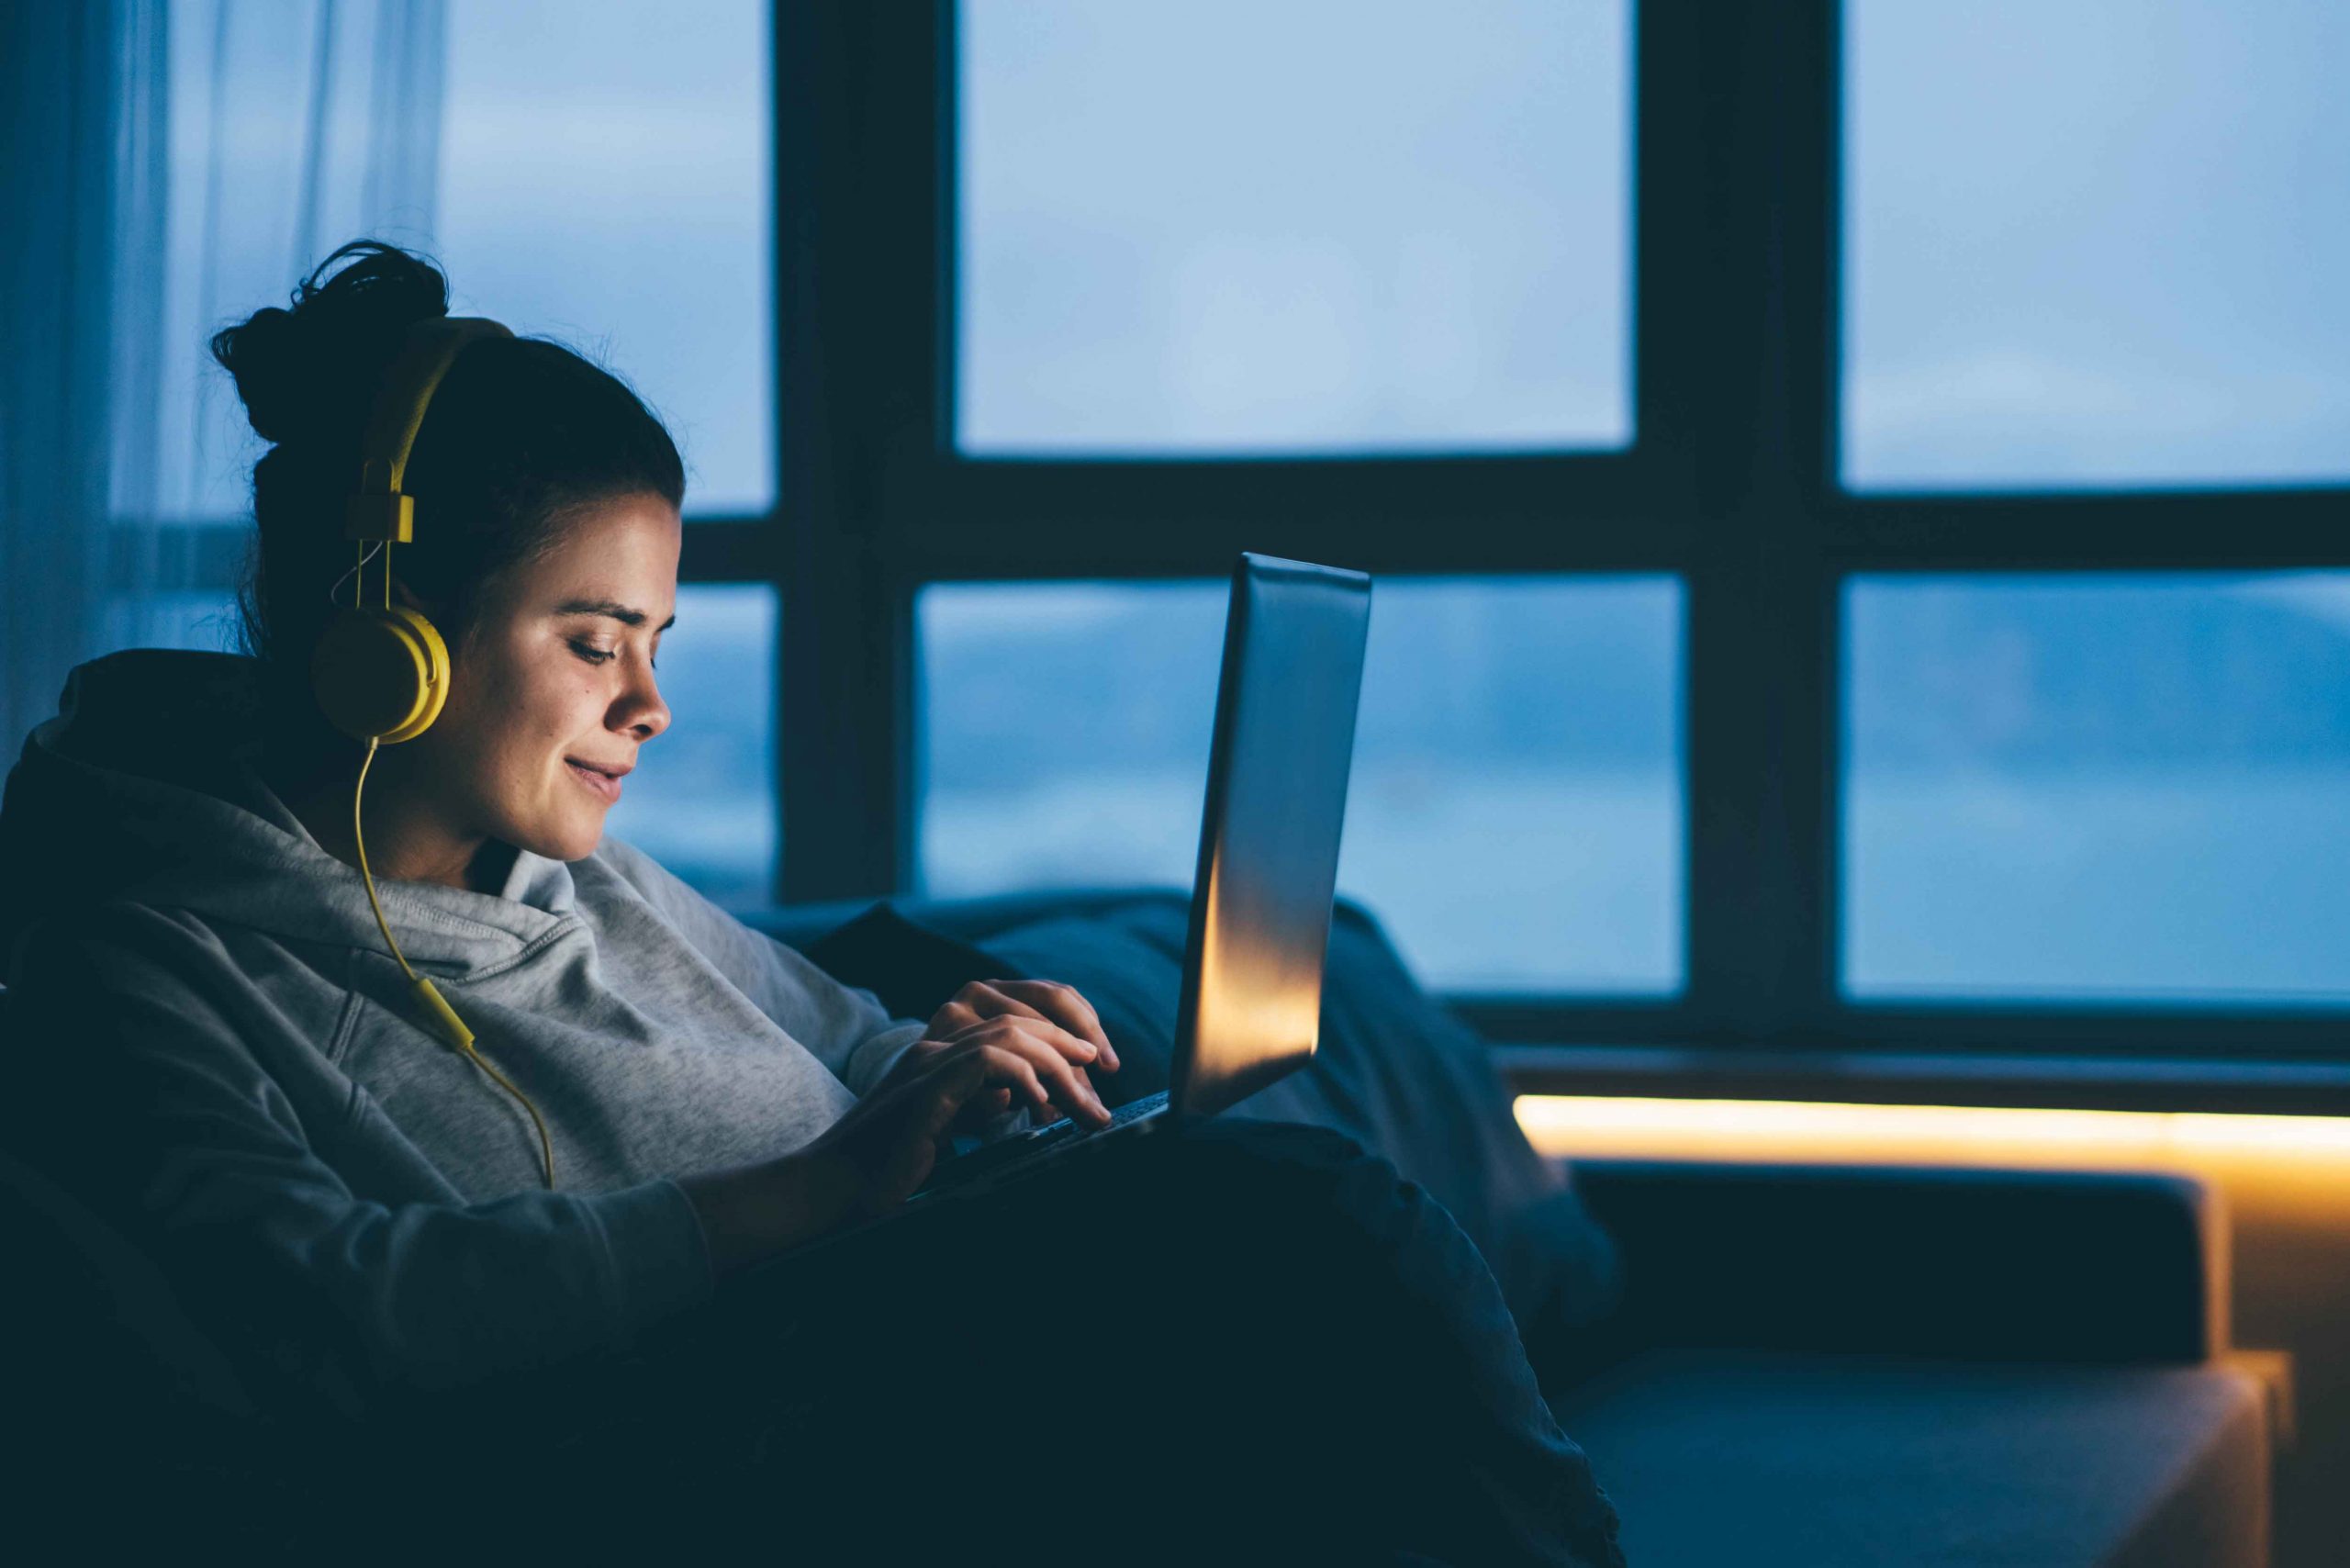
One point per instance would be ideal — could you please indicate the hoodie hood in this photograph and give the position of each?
(145, 788)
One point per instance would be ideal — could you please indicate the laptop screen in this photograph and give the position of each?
(1268, 835)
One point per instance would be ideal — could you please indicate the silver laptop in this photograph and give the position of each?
(1251, 1005)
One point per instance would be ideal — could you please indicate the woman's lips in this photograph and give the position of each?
(606, 787)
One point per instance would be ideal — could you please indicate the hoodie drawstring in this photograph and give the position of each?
(450, 1026)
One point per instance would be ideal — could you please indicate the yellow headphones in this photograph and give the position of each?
(381, 672)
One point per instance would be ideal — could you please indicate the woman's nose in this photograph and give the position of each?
(640, 708)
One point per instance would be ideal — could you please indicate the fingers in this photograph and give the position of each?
(1022, 1053)
(1062, 1004)
(952, 1019)
(1049, 1001)
(976, 1001)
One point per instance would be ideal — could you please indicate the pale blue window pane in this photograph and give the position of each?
(2098, 788)
(605, 180)
(2096, 243)
(602, 178)
(1515, 816)
(1218, 225)
(701, 800)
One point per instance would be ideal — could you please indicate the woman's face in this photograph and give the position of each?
(552, 694)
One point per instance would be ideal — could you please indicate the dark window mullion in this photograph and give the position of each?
(857, 94)
(1399, 495)
(1206, 546)
(2281, 1041)
(732, 550)
(2209, 528)
(1811, 273)
(1088, 518)
(1757, 276)
(791, 168)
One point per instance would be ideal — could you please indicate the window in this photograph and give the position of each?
(1221, 226)
(2098, 787)
(2086, 245)
(604, 180)
(1065, 731)
(601, 176)
(702, 799)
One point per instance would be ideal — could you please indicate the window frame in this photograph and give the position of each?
(1730, 482)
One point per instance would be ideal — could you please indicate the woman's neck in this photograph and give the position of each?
(407, 842)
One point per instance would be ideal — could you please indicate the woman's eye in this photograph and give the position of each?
(593, 655)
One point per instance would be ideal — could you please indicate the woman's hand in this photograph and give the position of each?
(864, 1165)
(1038, 1035)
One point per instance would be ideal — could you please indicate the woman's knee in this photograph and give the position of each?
(1302, 1174)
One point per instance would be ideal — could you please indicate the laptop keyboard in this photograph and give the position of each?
(1023, 1149)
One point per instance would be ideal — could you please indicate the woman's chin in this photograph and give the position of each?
(574, 840)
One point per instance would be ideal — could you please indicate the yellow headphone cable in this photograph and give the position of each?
(435, 1004)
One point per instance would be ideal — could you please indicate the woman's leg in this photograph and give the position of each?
(1243, 1338)
(1317, 1311)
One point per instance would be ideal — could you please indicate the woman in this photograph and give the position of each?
(585, 1236)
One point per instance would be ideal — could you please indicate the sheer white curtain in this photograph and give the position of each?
(169, 169)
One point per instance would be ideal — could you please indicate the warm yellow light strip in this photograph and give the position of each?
(1938, 1135)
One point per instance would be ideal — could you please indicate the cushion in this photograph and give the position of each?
(1395, 1071)
(1837, 1461)
(913, 971)
(1994, 1265)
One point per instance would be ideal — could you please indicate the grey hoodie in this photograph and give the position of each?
(236, 1060)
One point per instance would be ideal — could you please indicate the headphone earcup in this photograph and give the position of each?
(381, 674)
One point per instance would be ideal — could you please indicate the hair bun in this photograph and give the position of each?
(308, 375)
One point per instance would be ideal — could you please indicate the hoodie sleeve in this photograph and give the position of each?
(844, 1027)
(148, 1047)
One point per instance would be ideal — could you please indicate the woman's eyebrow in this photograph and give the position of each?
(617, 611)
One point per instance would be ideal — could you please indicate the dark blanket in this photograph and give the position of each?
(1393, 1071)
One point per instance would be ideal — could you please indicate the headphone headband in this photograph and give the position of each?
(378, 511)
(381, 674)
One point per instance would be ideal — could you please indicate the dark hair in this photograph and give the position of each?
(521, 436)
